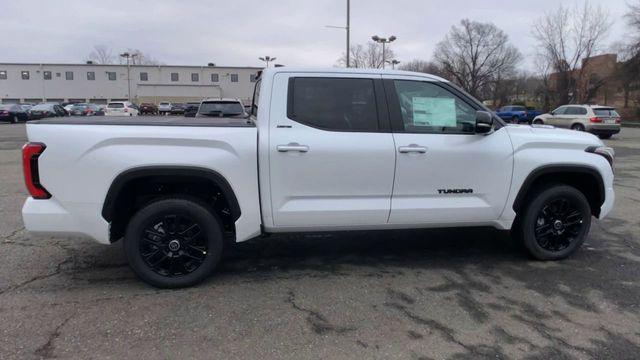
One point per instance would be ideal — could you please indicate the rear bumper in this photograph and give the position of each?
(49, 217)
(608, 129)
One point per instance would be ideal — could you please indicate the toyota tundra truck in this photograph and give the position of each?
(320, 151)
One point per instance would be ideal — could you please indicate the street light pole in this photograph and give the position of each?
(127, 56)
(384, 42)
(348, 30)
(267, 59)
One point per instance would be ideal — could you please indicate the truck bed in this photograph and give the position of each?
(149, 121)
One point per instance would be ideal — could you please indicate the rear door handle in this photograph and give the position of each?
(413, 148)
(293, 147)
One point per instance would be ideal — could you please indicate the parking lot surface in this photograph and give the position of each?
(408, 295)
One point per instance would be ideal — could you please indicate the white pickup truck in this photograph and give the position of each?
(322, 150)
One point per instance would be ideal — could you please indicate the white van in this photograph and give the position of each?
(121, 108)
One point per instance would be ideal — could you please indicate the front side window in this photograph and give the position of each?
(46, 75)
(174, 77)
(111, 75)
(215, 78)
(24, 75)
(334, 104)
(560, 111)
(195, 77)
(91, 75)
(428, 108)
(68, 75)
(3, 74)
(234, 77)
(144, 76)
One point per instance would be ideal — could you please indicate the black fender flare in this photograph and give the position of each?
(180, 171)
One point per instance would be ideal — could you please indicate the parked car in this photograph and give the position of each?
(86, 110)
(164, 108)
(177, 108)
(599, 120)
(148, 109)
(221, 108)
(517, 114)
(45, 110)
(317, 154)
(191, 109)
(121, 108)
(13, 113)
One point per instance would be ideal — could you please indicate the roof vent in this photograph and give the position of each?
(89, 62)
(211, 64)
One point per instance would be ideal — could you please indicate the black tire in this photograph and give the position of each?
(515, 120)
(538, 228)
(151, 238)
(605, 136)
(14, 119)
(538, 122)
(577, 127)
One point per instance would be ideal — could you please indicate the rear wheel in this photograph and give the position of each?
(605, 136)
(515, 120)
(555, 222)
(577, 127)
(538, 122)
(173, 243)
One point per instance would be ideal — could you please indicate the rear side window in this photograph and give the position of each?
(115, 105)
(575, 110)
(335, 104)
(605, 112)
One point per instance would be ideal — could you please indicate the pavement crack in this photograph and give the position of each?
(46, 350)
(57, 271)
(319, 324)
(10, 238)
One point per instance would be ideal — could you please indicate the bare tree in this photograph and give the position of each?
(422, 66)
(101, 55)
(367, 56)
(142, 58)
(475, 54)
(567, 38)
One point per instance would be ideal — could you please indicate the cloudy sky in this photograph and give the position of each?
(237, 32)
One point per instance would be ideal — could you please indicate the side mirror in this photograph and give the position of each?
(484, 122)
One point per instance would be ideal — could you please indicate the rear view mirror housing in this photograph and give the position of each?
(484, 122)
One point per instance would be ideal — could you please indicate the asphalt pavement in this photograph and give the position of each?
(466, 293)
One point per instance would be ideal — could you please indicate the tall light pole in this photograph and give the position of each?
(348, 30)
(393, 63)
(128, 56)
(267, 59)
(384, 42)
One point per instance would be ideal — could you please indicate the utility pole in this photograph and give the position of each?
(127, 56)
(348, 29)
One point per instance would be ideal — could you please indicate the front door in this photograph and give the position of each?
(445, 172)
(332, 155)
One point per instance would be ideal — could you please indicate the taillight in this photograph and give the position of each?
(595, 120)
(30, 154)
(126, 110)
(618, 120)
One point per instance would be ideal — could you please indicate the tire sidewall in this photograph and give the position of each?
(536, 203)
(578, 127)
(205, 218)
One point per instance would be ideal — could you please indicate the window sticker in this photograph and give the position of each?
(430, 111)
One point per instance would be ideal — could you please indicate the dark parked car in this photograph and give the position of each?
(191, 109)
(148, 108)
(177, 109)
(13, 113)
(86, 110)
(47, 110)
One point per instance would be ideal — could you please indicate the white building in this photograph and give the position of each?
(33, 83)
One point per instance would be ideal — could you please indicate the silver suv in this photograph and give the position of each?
(603, 121)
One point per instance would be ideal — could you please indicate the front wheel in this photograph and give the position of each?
(173, 243)
(538, 121)
(555, 222)
(577, 127)
(605, 136)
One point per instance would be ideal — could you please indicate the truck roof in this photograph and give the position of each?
(286, 69)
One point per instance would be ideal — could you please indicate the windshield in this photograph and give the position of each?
(223, 108)
(605, 112)
(115, 105)
(42, 107)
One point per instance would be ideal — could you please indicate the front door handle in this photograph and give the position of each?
(293, 147)
(413, 148)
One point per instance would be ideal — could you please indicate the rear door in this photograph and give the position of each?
(332, 155)
(445, 172)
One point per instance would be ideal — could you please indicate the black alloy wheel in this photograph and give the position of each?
(554, 222)
(174, 243)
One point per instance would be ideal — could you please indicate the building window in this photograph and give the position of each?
(144, 76)
(3, 74)
(214, 78)
(57, 74)
(68, 75)
(195, 77)
(174, 77)
(91, 75)
(253, 77)
(25, 75)
(111, 75)
(234, 77)
(47, 75)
